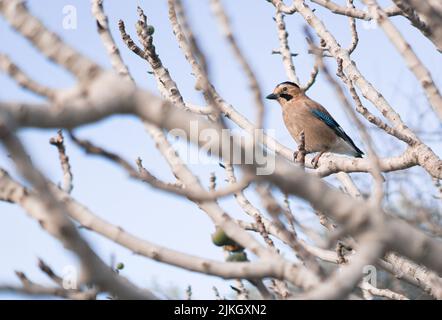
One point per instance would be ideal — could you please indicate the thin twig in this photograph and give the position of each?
(58, 141)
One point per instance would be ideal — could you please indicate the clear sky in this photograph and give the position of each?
(155, 216)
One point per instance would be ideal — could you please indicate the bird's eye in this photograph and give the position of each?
(284, 89)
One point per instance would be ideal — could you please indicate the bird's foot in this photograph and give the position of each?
(295, 155)
(315, 160)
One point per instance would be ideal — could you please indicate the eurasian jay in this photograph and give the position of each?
(322, 133)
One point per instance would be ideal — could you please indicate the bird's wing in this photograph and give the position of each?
(322, 114)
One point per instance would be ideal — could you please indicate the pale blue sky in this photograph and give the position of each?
(171, 221)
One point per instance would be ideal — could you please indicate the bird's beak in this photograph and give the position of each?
(272, 96)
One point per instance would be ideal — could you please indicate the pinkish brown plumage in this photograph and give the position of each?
(322, 132)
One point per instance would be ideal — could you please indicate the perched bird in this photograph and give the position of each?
(301, 114)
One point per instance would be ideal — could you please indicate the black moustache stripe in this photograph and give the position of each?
(286, 96)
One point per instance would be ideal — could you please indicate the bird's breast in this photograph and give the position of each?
(293, 124)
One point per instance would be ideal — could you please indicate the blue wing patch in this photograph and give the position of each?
(329, 121)
(325, 118)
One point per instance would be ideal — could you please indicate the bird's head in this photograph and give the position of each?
(285, 91)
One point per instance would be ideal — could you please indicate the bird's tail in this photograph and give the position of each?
(358, 152)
